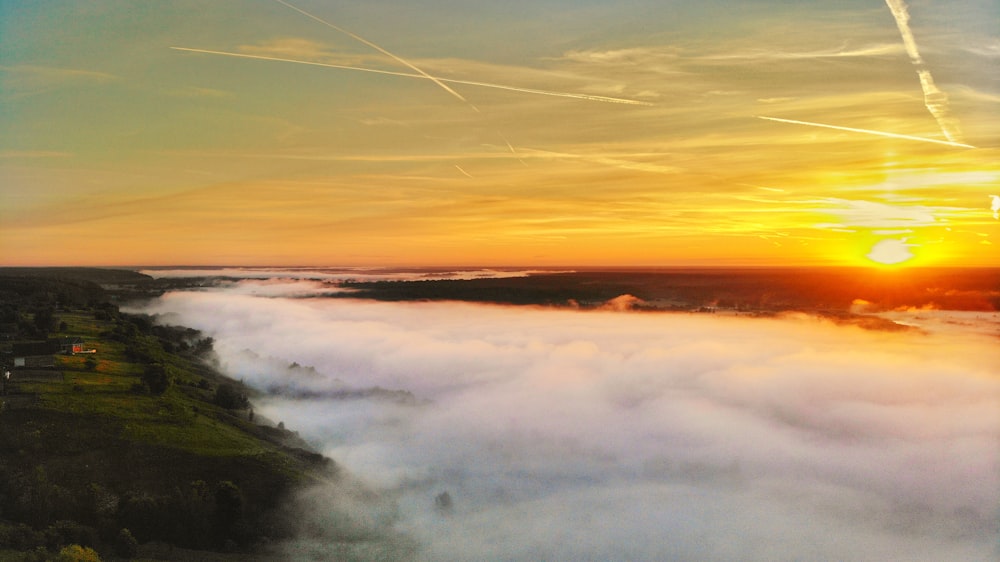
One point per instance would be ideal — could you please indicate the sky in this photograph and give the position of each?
(601, 435)
(542, 133)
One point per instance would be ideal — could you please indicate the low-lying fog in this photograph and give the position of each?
(567, 435)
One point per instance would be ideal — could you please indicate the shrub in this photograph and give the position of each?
(77, 553)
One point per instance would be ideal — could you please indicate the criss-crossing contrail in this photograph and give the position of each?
(867, 132)
(935, 100)
(379, 49)
(588, 97)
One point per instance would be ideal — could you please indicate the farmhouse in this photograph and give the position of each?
(67, 346)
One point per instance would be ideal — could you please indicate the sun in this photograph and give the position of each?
(890, 252)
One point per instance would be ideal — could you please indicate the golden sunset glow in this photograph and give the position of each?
(636, 133)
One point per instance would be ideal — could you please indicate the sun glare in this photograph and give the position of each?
(890, 252)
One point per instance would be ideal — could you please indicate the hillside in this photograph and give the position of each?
(137, 445)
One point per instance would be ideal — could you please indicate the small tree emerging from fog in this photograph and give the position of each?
(443, 502)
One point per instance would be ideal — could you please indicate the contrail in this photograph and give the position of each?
(995, 206)
(381, 50)
(867, 131)
(511, 147)
(935, 100)
(466, 174)
(587, 97)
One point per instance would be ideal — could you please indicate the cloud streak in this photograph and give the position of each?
(587, 97)
(866, 131)
(606, 435)
(935, 100)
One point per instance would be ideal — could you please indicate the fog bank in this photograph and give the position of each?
(568, 435)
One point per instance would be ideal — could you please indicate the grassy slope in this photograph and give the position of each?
(79, 428)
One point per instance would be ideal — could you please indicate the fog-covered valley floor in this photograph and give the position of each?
(573, 435)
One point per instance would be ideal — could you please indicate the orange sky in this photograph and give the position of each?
(626, 133)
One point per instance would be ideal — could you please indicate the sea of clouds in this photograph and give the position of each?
(605, 435)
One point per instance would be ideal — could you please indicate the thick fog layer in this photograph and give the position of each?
(602, 435)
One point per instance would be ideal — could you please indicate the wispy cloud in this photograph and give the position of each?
(873, 50)
(873, 214)
(33, 154)
(54, 72)
(197, 92)
(295, 48)
(28, 79)
(617, 160)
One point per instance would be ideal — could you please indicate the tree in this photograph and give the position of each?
(204, 346)
(227, 396)
(156, 378)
